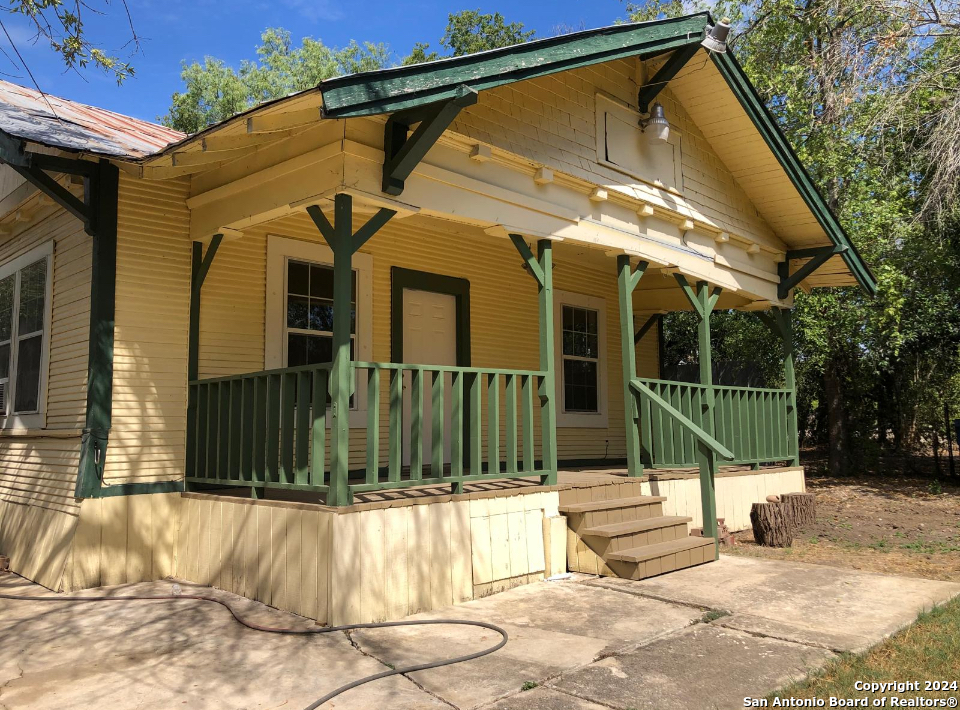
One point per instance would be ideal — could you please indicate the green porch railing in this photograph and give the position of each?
(753, 423)
(268, 430)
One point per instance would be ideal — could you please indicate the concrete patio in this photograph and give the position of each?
(585, 643)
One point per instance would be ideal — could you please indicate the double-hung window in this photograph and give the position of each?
(24, 337)
(299, 310)
(309, 313)
(581, 360)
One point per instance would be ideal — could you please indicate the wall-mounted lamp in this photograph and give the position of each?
(716, 39)
(656, 123)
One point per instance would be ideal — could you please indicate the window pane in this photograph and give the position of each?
(580, 332)
(4, 362)
(28, 374)
(298, 278)
(33, 290)
(6, 307)
(321, 314)
(297, 310)
(321, 281)
(579, 386)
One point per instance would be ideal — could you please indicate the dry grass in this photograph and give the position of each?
(928, 650)
(886, 524)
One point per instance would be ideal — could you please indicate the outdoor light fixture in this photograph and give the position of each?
(716, 39)
(657, 123)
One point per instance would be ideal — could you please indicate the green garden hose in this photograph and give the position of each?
(316, 630)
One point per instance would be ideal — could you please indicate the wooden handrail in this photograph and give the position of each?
(644, 391)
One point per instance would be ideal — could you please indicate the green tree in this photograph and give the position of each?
(61, 26)
(471, 31)
(214, 91)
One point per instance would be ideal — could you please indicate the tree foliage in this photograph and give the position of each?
(214, 91)
(61, 26)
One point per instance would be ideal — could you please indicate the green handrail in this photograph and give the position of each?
(708, 441)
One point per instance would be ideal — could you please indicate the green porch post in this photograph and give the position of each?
(541, 268)
(548, 383)
(343, 242)
(341, 370)
(627, 281)
(703, 302)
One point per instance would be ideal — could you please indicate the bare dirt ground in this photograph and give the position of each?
(888, 522)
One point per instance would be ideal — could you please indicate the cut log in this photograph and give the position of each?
(772, 525)
(801, 507)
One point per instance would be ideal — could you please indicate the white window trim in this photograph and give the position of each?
(585, 420)
(38, 419)
(279, 250)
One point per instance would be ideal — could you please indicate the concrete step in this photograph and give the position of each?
(611, 504)
(629, 527)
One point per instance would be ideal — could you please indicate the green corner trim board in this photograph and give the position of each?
(413, 87)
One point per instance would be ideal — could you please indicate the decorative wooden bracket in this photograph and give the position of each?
(651, 321)
(531, 261)
(702, 302)
(34, 168)
(402, 152)
(818, 257)
(341, 237)
(648, 92)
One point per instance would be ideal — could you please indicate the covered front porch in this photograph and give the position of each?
(508, 396)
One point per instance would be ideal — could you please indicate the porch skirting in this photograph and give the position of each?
(362, 563)
(371, 561)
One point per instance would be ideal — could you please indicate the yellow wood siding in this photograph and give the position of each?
(150, 338)
(38, 469)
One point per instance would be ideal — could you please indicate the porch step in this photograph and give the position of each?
(631, 538)
(631, 527)
(662, 549)
(611, 504)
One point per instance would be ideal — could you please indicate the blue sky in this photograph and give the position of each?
(176, 30)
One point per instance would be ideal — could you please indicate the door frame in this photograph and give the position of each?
(401, 279)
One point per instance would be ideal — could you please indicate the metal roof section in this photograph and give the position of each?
(26, 114)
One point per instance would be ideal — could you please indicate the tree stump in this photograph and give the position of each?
(772, 525)
(801, 507)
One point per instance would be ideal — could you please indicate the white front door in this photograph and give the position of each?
(429, 338)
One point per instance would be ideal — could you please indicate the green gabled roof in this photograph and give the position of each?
(401, 88)
(411, 87)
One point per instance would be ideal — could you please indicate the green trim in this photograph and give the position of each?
(403, 153)
(650, 322)
(648, 92)
(401, 279)
(409, 87)
(104, 190)
(757, 111)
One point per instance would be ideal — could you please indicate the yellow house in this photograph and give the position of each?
(393, 342)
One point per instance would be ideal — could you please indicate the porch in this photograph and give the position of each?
(353, 428)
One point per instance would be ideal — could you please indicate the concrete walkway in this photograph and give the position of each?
(583, 644)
